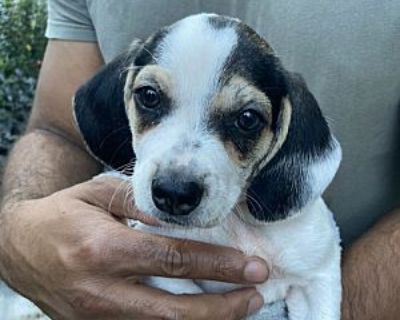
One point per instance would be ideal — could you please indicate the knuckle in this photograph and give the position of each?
(204, 313)
(90, 252)
(233, 312)
(228, 312)
(177, 261)
(233, 315)
(89, 303)
(224, 267)
(165, 309)
(85, 254)
(176, 313)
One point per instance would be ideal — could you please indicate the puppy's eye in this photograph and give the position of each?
(148, 97)
(250, 121)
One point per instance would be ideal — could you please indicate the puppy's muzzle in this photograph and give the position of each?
(176, 194)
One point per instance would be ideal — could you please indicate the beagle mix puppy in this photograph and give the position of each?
(229, 148)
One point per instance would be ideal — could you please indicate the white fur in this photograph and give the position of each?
(194, 53)
(322, 172)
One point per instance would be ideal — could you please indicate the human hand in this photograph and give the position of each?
(72, 256)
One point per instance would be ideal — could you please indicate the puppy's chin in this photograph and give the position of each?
(188, 222)
(196, 220)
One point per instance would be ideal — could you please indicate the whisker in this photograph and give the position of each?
(122, 144)
(118, 189)
(128, 195)
(111, 133)
(126, 166)
(151, 55)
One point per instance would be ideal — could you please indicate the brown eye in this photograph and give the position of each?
(148, 97)
(250, 121)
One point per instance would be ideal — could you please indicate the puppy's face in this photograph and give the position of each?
(202, 123)
(214, 119)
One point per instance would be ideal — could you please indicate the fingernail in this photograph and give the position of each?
(255, 271)
(255, 303)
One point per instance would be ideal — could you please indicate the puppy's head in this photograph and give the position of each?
(213, 119)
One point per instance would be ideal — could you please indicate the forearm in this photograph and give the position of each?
(51, 156)
(371, 278)
(43, 162)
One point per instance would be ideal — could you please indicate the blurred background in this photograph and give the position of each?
(22, 43)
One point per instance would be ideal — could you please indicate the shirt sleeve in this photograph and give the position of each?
(70, 20)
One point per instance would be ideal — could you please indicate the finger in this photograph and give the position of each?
(231, 306)
(114, 195)
(145, 302)
(146, 254)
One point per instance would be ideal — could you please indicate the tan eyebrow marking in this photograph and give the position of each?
(154, 75)
(239, 92)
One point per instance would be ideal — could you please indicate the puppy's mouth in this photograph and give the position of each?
(173, 221)
(196, 221)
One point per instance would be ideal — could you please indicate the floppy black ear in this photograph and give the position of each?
(100, 113)
(305, 164)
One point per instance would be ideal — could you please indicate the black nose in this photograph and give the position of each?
(176, 197)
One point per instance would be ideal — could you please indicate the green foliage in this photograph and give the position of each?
(22, 43)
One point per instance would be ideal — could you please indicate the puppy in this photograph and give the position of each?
(230, 148)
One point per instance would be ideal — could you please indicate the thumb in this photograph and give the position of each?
(113, 193)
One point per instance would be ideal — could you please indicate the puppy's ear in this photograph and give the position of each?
(304, 165)
(100, 112)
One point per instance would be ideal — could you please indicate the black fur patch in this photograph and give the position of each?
(221, 22)
(280, 186)
(100, 114)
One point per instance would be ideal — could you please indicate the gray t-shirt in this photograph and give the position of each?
(348, 52)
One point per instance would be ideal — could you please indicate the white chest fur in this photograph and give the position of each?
(303, 254)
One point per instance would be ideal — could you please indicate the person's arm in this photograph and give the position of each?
(371, 273)
(51, 156)
(63, 248)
